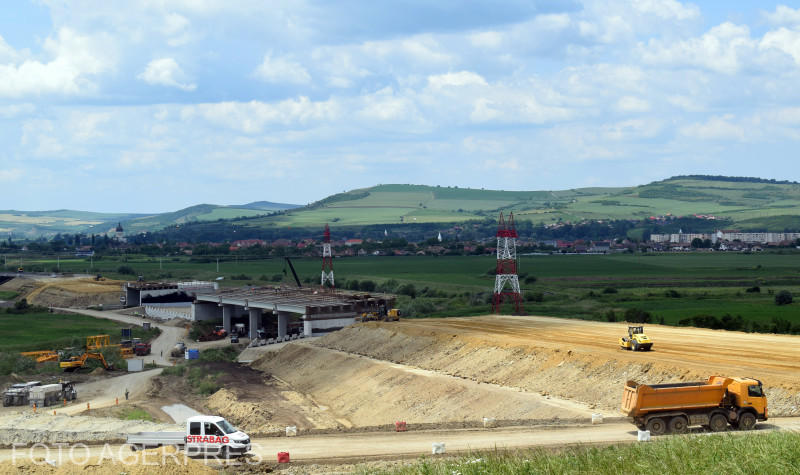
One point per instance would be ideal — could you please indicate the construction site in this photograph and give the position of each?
(339, 378)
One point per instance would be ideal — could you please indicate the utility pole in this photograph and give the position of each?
(217, 265)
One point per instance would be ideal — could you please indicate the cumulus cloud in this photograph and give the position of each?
(783, 16)
(166, 72)
(282, 70)
(75, 58)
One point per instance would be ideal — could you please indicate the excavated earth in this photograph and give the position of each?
(508, 367)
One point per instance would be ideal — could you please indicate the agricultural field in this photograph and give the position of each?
(670, 287)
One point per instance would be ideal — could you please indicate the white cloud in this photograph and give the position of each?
(784, 40)
(253, 116)
(716, 128)
(7, 53)
(783, 16)
(667, 9)
(461, 78)
(176, 28)
(282, 70)
(75, 57)
(632, 104)
(722, 49)
(166, 72)
(385, 105)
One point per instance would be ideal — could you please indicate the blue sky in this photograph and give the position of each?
(156, 105)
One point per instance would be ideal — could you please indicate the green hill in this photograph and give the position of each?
(746, 203)
(750, 203)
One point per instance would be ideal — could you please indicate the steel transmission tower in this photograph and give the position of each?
(506, 272)
(327, 258)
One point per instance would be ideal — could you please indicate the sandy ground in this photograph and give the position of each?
(577, 360)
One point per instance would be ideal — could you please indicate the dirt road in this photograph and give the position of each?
(765, 356)
(105, 392)
(374, 445)
(161, 346)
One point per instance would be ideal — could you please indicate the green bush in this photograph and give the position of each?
(636, 315)
(177, 370)
(784, 297)
(672, 293)
(753, 290)
(226, 353)
(610, 290)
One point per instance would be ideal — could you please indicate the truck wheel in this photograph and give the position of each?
(6, 401)
(747, 421)
(678, 425)
(718, 422)
(656, 426)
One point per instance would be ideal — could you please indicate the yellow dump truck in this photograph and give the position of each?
(674, 407)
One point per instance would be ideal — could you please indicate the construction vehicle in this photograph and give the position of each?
(178, 350)
(383, 314)
(49, 394)
(76, 362)
(96, 343)
(662, 408)
(20, 270)
(636, 340)
(41, 356)
(141, 349)
(203, 434)
(19, 394)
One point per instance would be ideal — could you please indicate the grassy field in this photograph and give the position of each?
(773, 453)
(49, 331)
(671, 287)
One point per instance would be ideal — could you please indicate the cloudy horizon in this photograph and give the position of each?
(153, 107)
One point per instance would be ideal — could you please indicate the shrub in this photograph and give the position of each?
(610, 290)
(534, 297)
(530, 279)
(636, 315)
(126, 270)
(753, 290)
(672, 293)
(407, 289)
(784, 297)
(177, 370)
(241, 277)
(219, 354)
(367, 286)
(610, 316)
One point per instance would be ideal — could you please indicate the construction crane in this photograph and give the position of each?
(296, 279)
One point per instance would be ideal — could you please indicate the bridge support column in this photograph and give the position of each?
(227, 314)
(283, 323)
(307, 329)
(255, 321)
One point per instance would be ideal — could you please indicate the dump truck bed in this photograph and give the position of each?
(640, 399)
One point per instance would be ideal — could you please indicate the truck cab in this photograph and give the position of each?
(213, 434)
(747, 395)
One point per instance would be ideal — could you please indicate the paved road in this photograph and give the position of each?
(361, 446)
(163, 344)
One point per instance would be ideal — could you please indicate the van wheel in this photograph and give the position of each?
(747, 421)
(678, 425)
(718, 422)
(656, 426)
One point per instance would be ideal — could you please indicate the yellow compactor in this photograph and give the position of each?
(636, 340)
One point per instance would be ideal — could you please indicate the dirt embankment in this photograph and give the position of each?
(513, 355)
(364, 392)
(79, 292)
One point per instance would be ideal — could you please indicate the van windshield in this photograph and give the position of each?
(226, 427)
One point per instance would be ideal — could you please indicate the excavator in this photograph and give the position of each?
(636, 340)
(75, 362)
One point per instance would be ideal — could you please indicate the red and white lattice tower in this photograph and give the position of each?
(506, 272)
(327, 258)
